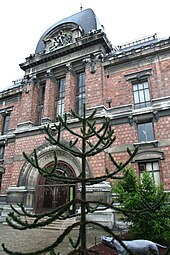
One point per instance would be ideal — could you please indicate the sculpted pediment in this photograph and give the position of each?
(61, 36)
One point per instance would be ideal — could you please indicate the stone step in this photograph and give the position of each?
(56, 224)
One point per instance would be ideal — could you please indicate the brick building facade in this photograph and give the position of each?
(75, 63)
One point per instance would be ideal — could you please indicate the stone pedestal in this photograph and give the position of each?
(104, 217)
(100, 192)
(14, 196)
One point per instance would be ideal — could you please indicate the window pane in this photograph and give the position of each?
(147, 95)
(6, 124)
(41, 94)
(80, 97)
(1, 152)
(149, 131)
(145, 132)
(135, 87)
(157, 178)
(61, 84)
(140, 86)
(141, 95)
(145, 85)
(152, 168)
(141, 133)
(136, 97)
(149, 167)
(155, 166)
(0, 180)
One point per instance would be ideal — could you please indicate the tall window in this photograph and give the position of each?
(61, 85)
(5, 128)
(1, 153)
(141, 95)
(152, 168)
(1, 163)
(80, 95)
(41, 102)
(0, 180)
(145, 132)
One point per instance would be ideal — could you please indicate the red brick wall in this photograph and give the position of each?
(125, 134)
(14, 114)
(120, 90)
(14, 159)
(26, 105)
(160, 80)
(99, 89)
(94, 86)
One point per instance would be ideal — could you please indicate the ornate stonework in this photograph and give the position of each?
(28, 175)
(64, 35)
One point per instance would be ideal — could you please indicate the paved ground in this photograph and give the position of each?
(34, 239)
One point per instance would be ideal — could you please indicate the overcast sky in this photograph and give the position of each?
(22, 22)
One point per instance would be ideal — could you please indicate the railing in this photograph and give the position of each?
(138, 41)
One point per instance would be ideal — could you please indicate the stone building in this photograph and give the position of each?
(75, 63)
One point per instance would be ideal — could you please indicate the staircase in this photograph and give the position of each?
(55, 225)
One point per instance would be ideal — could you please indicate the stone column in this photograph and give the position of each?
(50, 98)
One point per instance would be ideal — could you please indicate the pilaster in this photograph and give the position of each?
(29, 102)
(94, 80)
(70, 93)
(50, 98)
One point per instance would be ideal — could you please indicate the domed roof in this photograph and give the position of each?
(86, 19)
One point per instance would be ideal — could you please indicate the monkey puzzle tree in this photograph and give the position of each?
(88, 133)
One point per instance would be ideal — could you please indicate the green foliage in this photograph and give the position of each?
(135, 195)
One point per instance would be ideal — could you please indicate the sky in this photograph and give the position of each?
(22, 23)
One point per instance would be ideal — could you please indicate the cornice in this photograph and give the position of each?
(140, 52)
(82, 42)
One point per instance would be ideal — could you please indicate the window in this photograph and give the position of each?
(1, 153)
(5, 128)
(0, 180)
(61, 84)
(141, 95)
(41, 102)
(80, 95)
(1, 164)
(152, 168)
(145, 132)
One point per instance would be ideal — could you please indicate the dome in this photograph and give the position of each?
(86, 20)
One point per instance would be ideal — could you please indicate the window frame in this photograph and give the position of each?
(2, 150)
(141, 94)
(6, 122)
(1, 181)
(147, 126)
(41, 99)
(152, 171)
(80, 92)
(60, 97)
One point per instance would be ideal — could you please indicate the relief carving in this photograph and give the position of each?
(61, 39)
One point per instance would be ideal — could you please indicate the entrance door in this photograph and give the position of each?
(50, 193)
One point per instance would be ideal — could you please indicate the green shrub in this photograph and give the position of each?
(134, 195)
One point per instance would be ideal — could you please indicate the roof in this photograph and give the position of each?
(137, 44)
(86, 19)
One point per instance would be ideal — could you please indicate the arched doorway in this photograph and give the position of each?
(52, 193)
